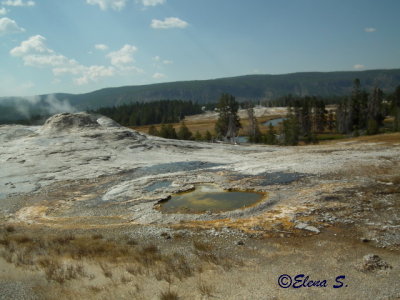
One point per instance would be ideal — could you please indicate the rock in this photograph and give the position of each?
(257, 228)
(240, 243)
(305, 226)
(372, 262)
(166, 235)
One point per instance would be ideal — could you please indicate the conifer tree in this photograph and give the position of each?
(163, 131)
(228, 123)
(208, 136)
(254, 132)
(331, 121)
(153, 130)
(291, 129)
(197, 136)
(320, 116)
(184, 133)
(375, 116)
(395, 103)
(270, 137)
(171, 132)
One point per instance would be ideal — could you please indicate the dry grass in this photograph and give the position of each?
(387, 172)
(385, 138)
(206, 290)
(204, 125)
(61, 257)
(134, 269)
(106, 270)
(61, 272)
(205, 252)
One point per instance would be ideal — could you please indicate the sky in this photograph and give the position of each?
(77, 46)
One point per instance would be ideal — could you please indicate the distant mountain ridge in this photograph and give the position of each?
(249, 87)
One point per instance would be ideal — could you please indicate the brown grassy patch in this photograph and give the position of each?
(61, 272)
(203, 124)
(61, 257)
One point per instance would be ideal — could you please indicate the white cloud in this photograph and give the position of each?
(168, 23)
(156, 58)
(18, 3)
(102, 47)
(123, 57)
(369, 29)
(93, 73)
(152, 2)
(167, 62)
(358, 67)
(52, 60)
(8, 26)
(105, 4)
(35, 53)
(158, 75)
(3, 11)
(33, 44)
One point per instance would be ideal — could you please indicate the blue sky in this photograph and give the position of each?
(77, 46)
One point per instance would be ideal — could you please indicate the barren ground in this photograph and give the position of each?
(78, 216)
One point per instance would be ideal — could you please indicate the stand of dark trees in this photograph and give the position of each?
(168, 131)
(359, 113)
(163, 111)
(364, 112)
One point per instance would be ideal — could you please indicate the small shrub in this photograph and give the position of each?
(97, 236)
(202, 246)
(106, 271)
(125, 279)
(10, 228)
(56, 271)
(64, 240)
(134, 270)
(205, 289)
(131, 242)
(95, 289)
(151, 249)
(23, 239)
(169, 295)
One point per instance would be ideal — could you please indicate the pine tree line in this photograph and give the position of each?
(364, 113)
(360, 113)
(168, 131)
(163, 111)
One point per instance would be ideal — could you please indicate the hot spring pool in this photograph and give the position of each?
(208, 197)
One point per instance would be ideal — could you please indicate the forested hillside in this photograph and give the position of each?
(252, 87)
